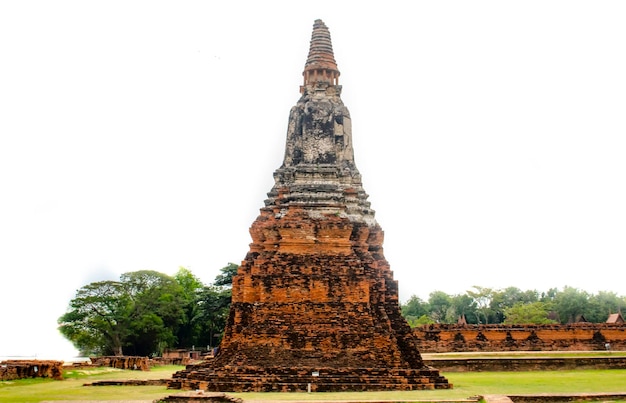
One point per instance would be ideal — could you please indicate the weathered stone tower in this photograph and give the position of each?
(314, 304)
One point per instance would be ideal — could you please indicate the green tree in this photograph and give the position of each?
(190, 332)
(464, 305)
(225, 278)
(139, 315)
(157, 311)
(528, 313)
(571, 303)
(602, 304)
(213, 307)
(482, 297)
(212, 313)
(188, 281)
(414, 310)
(509, 297)
(415, 306)
(549, 296)
(422, 320)
(440, 304)
(97, 322)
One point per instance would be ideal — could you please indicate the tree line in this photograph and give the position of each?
(147, 312)
(511, 305)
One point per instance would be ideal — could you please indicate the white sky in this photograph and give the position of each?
(135, 135)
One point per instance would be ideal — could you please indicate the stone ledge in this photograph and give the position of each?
(527, 364)
(563, 397)
(130, 382)
(199, 397)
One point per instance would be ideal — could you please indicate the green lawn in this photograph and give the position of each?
(71, 388)
(465, 385)
(468, 384)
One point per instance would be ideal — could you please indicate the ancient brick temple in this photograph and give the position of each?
(315, 306)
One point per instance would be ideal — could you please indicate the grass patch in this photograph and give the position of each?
(466, 384)
(92, 372)
(71, 388)
(536, 382)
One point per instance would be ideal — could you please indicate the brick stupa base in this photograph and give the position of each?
(301, 379)
(314, 309)
(314, 303)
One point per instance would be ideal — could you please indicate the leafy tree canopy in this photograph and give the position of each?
(225, 278)
(98, 318)
(146, 312)
(528, 313)
(512, 305)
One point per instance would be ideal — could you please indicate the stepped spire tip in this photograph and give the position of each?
(320, 65)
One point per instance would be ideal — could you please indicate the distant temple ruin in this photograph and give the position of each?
(315, 306)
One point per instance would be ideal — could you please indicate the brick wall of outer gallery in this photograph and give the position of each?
(441, 338)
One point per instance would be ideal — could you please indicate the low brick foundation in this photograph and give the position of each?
(122, 362)
(527, 364)
(170, 361)
(199, 397)
(304, 379)
(20, 369)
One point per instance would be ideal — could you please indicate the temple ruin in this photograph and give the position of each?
(314, 305)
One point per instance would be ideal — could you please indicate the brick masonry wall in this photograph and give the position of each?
(19, 369)
(122, 362)
(440, 338)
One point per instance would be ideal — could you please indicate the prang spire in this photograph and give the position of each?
(314, 302)
(320, 64)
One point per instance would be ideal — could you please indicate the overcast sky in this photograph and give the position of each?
(491, 137)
